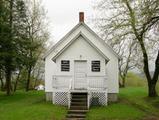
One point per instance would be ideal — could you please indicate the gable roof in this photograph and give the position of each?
(87, 40)
(71, 31)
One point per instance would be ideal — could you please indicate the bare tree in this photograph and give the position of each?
(37, 35)
(125, 50)
(137, 21)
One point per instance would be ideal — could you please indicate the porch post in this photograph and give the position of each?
(53, 97)
(73, 82)
(88, 99)
(69, 99)
(106, 97)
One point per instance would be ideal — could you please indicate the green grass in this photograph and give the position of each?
(133, 103)
(29, 106)
(137, 96)
(118, 111)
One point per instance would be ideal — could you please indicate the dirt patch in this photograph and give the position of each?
(156, 105)
(151, 118)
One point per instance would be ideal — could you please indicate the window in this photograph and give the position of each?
(65, 65)
(95, 66)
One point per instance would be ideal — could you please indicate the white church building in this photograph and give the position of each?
(81, 62)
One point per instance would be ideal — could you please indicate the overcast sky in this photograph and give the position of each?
(63, 15)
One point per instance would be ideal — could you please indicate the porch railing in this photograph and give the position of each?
(96, 82)
(67, 82)
(62, 82)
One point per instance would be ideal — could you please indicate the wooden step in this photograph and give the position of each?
(78, 108)
(79, 103)
(79, 99)
(78, 111)
(79, 96)
(79, 93)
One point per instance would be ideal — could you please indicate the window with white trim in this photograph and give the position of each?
(65, 65)
(95, 66)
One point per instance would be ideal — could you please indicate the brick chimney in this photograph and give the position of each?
(81, 17)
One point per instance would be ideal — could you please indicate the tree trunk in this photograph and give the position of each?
(123, 82)
(16, 82)
(2, 84)
(1, 79)
(120, 84)
(8, 80)
(35, 82)
(153, 82)
(36, 79)
(152, 89)
(28, 79)
(8, 70)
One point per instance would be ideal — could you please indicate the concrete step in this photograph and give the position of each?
(76, 116)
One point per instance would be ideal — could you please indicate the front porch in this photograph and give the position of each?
(64, 86)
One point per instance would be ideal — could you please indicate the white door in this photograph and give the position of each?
(80, 81)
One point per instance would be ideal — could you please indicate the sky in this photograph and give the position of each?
(63, 15)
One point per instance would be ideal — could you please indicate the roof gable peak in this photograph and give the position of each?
(87, 40)
(80, 33)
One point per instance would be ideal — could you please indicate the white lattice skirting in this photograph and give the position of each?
(98, 98)
(95, 98)
(60, 98)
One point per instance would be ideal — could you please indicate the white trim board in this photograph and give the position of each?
(73, 40)
(71, 31)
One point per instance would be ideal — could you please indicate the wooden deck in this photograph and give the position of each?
(64, 87)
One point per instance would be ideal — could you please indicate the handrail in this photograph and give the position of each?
(69, 93)
(70, 85)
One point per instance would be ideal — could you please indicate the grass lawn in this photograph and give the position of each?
(133, 103)
(29, 106)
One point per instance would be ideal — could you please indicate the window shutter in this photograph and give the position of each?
(95, 66)
(65, 65)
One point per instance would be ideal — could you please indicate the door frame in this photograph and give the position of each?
(74, 71)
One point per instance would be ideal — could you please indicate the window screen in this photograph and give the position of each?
(65, 65)
(95, 66)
